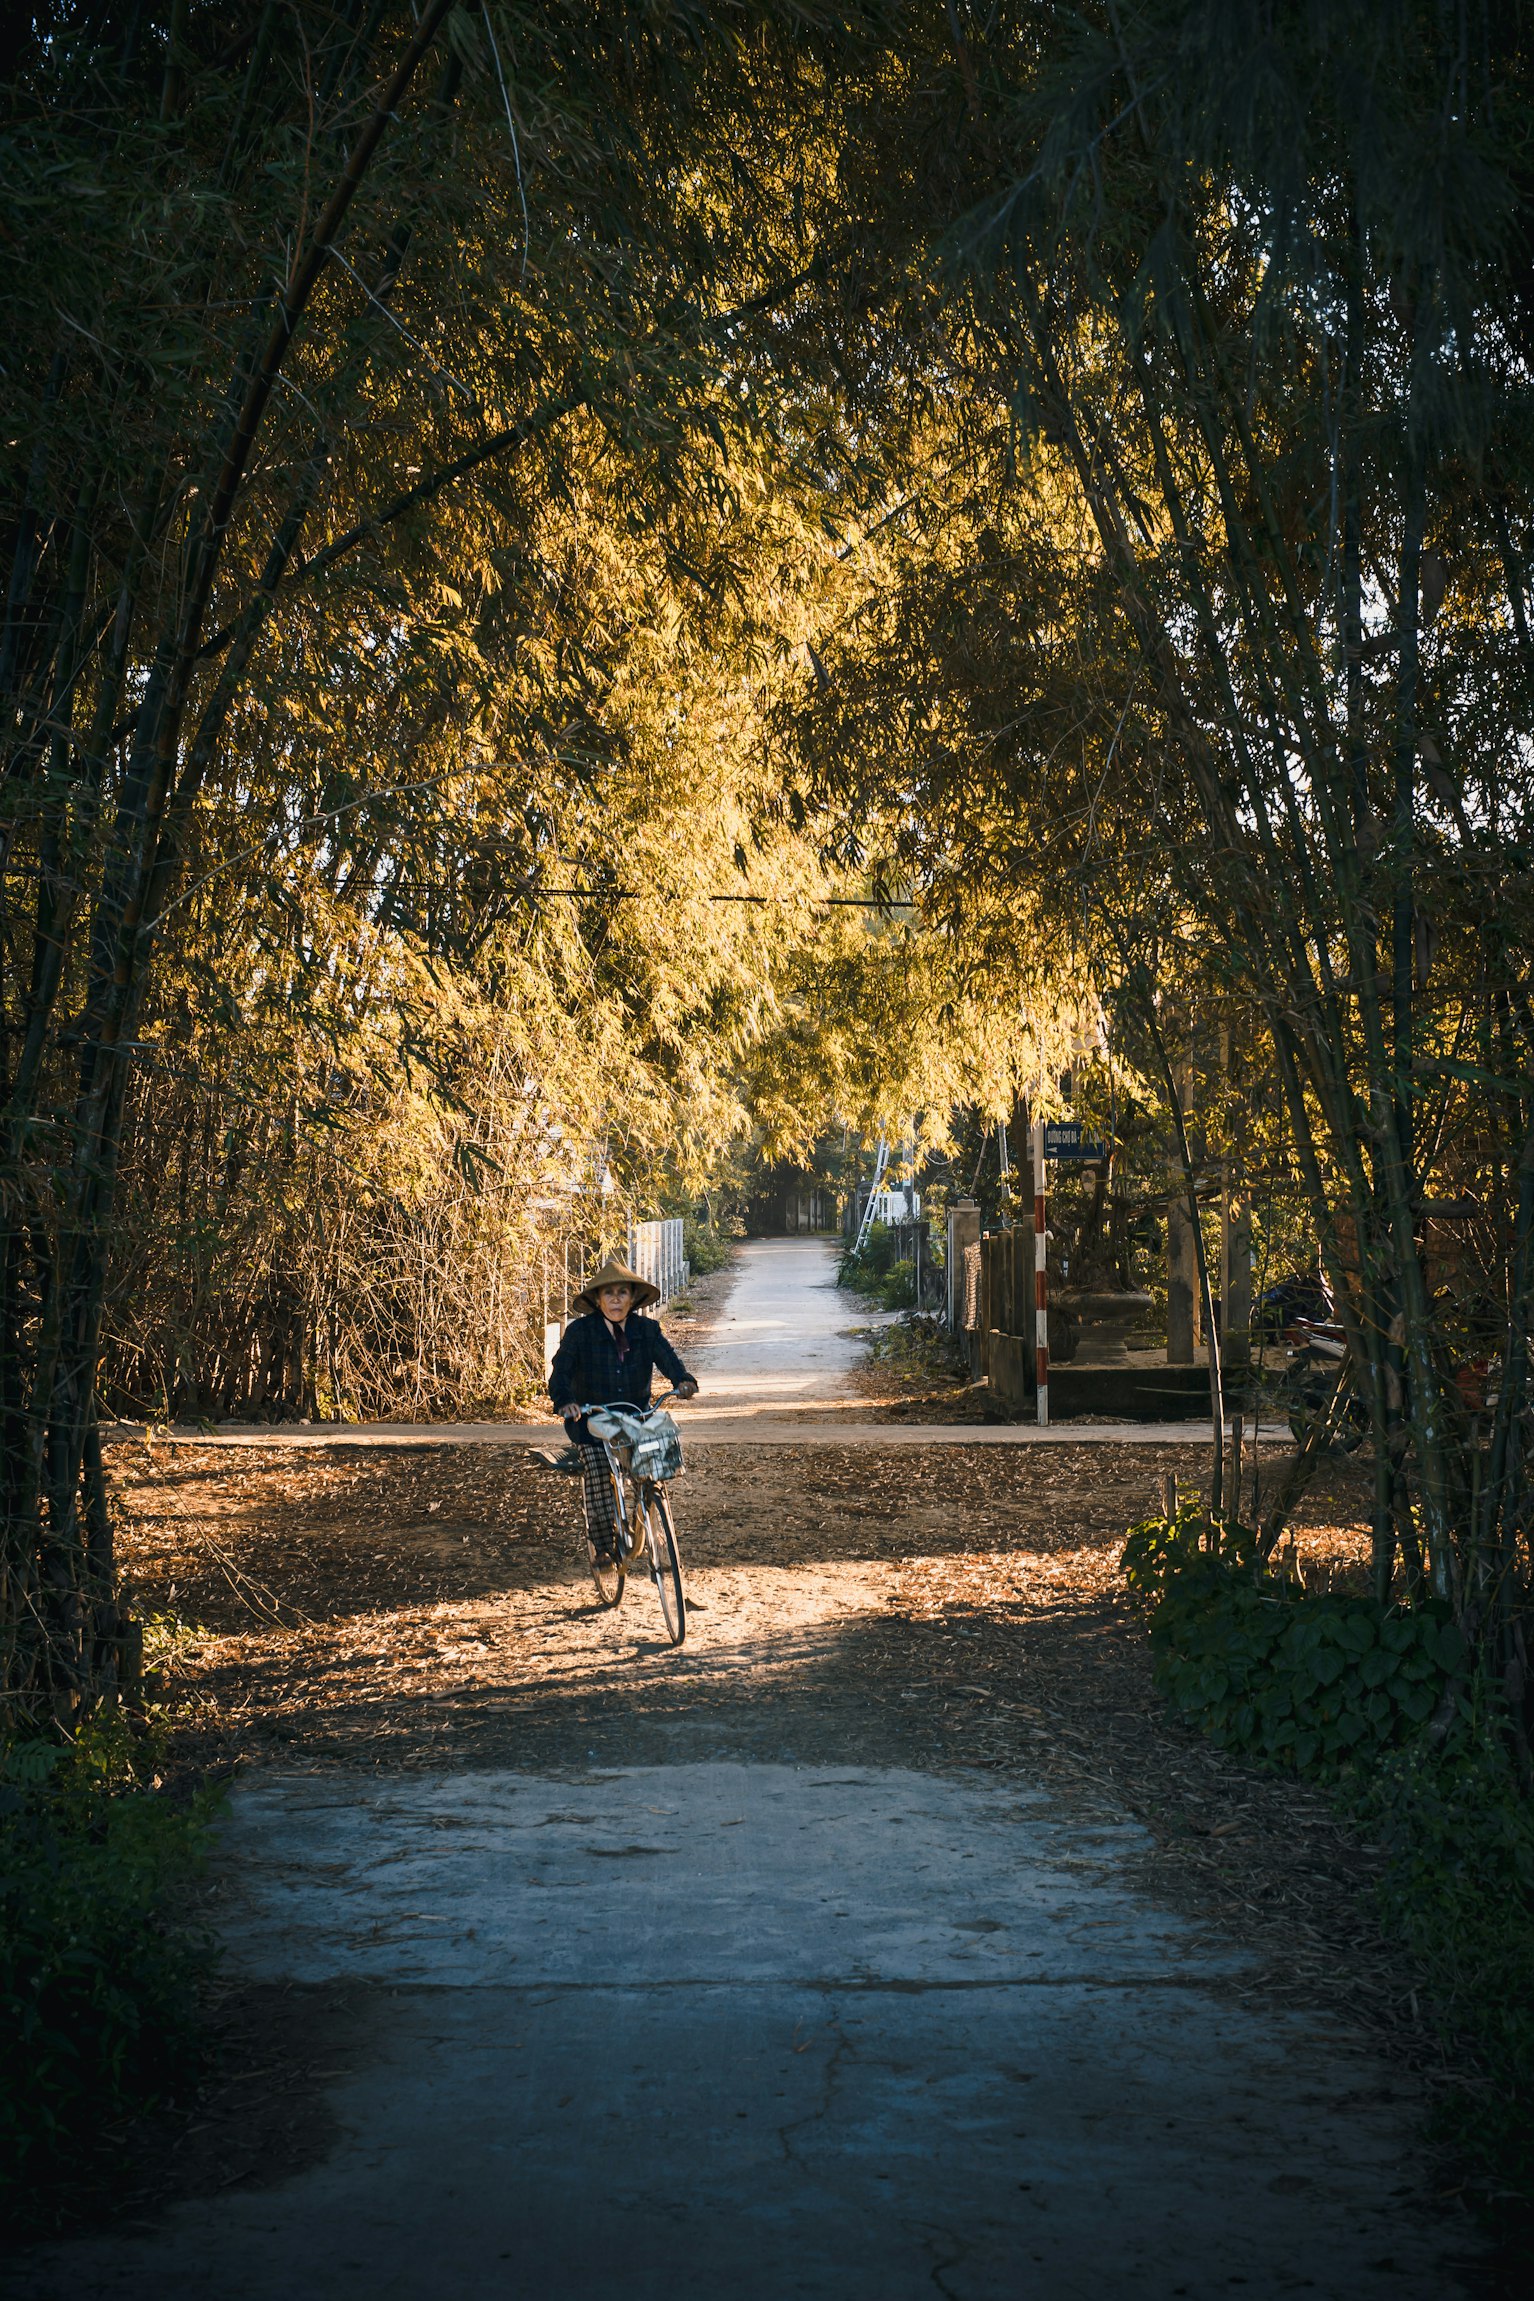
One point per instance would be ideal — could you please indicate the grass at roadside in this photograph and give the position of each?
(101, 1967)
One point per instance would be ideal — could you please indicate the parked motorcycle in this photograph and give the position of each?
(1318, 1364)
(1303, 1295)
(1319, 1361)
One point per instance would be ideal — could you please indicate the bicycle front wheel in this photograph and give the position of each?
(665, 1561)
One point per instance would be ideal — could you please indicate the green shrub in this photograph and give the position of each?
(99, 1964)
(896, 1289)
(871, 1261)
(1319, 1683)
(706, 1249)
(877, 1273)
(1330, 1687)
(1459, 1895)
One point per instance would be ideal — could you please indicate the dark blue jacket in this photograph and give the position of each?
(586, 1369)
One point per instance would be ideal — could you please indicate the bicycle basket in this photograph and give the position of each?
(657, 1446)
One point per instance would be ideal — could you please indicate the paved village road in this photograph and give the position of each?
(773, 1999)
(785, 1340)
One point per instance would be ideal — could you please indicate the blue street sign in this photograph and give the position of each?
(1066, 1141)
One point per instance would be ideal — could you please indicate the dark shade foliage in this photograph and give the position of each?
(1317, 1682)
(99, 1960)
(1386, 1711)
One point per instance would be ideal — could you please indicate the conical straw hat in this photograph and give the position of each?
(616, 1274)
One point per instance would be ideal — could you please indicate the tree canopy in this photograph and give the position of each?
(590, 585)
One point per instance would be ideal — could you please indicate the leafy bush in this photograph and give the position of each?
(896, 1288)
(99, 1966)
(878, 1273)
(1459, 1895)
(1319, 1683)
(705, 1247)
(1334, 1689)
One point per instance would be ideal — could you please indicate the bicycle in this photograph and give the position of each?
(644, 1452)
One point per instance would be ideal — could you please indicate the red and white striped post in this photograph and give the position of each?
(1040, 1273)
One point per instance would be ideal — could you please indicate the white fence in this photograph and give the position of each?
(892, 1206)
(655, 1251)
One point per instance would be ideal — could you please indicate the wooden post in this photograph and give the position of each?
(1040, 1274)
(1236, 1277)
(963, 1230)
(1182, 1290)
(1020, 1245)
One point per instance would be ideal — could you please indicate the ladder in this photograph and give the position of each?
(866, 1225)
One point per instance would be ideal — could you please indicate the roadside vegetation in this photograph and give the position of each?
(102, 1958)
(1388, 1710)
(709, 1245)
(879, 1270)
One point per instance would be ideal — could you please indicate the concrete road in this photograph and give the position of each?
(677, 2032)
(786, 1339)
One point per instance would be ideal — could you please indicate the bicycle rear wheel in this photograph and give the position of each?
(665, 1561)
(605, 1561)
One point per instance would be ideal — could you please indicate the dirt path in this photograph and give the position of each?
(884, 1941)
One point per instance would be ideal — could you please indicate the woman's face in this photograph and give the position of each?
(615, 1301)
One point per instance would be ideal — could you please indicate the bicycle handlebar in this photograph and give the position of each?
(622, 1404)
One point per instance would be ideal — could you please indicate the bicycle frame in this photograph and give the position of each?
(617, 1426)
(646, 1532)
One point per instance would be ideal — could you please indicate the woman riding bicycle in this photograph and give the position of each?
(608, 1356)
